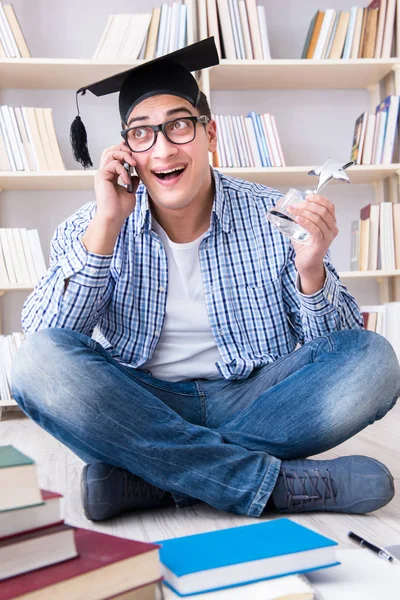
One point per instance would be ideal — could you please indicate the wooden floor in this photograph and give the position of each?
(59, 470)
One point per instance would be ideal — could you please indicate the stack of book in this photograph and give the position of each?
(41, 557)
(354, 33)
(21, 257)
(384, 319)
(28, 140)
(148, 35)
(375, 139)
(251, 141)
(375, 238)
(238, 26)
(12, 41)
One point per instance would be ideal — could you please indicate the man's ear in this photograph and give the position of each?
(212, 135)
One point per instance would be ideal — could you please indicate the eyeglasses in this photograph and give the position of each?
(177, 131)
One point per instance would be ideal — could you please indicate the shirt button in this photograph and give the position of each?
(156, 332)
(220, 332)
(161, 288)
(329, 297)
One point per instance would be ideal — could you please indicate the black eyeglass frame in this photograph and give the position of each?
(203, 119)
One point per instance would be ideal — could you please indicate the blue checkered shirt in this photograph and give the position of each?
(255, 308)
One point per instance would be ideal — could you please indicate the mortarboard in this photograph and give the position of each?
(168, 74)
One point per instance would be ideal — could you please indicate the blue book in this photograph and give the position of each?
(230, 557)
(259, 136)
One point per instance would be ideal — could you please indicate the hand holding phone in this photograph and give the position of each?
(129, 170)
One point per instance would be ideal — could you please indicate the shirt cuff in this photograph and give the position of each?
(325, 300)
(86, 268)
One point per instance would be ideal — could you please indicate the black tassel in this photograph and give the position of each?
(78, 139)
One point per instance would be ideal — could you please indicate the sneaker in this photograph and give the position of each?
(107, 491)
(350, 484)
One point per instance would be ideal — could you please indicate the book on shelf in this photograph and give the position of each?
(28, 140)
(28, 518)
(375, 238)
(9, 345)
(18, 481)
(384, 319)
(105, 566)
(375, 138)
(21, 257)
(12, 41)
(360, 32)
(243, 29)
(250, 141)
(28, 551)
(230, 557)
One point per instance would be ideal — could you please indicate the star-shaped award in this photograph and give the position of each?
(330, 170)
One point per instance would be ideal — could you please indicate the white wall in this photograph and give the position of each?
(312, 124)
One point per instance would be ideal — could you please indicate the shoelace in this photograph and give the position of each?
(134, 488)
(302, 496)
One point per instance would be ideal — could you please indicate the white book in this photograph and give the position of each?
(202, 19)
(247, 142)
(167, 30)
(392, 325)
(248, 50)
(235, 141)
(277, 138)
(262, 21)
(382, 120)
(373, 248)
(6, 51)
(7, 253)
(350, 33)
(173, 27)
(254, 29)
(369, 140)
(5, 164)
(191, 23)
(253, 141)
(25, 276)
(19, 274)
(12, 138)
(4, 279)
(162, 30)
(220, 142)
(212, 20)
(267, 141)
(28, 257)
(241, 140)
(380, 29)
(323, 34)
(135, 35)
(19, 138)
(8, 36)
(237, 29)
(389, 29)
(270, 135)
(103, 37)
(229, 142)
(228, 147)
(37, 252)
(391, 126)
(7, 142)
(29, 132)
(390, 236)
(114, 38)
(226, 29)
(25, 139)
(182, 29)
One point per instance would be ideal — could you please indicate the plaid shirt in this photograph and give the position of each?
(255, 308)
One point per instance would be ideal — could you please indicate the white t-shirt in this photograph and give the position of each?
(186, 348)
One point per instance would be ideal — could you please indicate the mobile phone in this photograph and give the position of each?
(131, 172)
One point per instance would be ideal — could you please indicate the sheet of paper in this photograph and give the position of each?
(361, 576)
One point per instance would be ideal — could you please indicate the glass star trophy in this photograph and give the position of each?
(283, 220)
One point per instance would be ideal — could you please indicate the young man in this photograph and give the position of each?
(193, 389)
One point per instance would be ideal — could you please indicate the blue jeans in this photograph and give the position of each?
(221, 441)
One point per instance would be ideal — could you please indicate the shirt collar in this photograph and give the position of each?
(220, 210)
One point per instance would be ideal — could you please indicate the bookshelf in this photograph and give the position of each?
(379, 76)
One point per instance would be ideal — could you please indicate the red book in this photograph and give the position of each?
(106, 566)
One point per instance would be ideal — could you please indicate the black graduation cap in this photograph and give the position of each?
(168, 74)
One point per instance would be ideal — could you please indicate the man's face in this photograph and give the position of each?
(176, 191)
